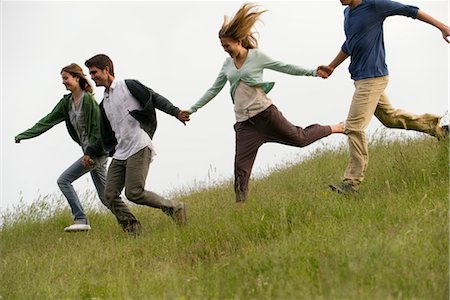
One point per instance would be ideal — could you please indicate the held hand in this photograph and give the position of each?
(184, 116)
(324, 71)
(87, 161)
(446, 34)
(322, 74)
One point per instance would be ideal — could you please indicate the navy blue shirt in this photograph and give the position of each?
(364, 42)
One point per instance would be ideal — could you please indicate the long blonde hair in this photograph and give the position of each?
(239, 28)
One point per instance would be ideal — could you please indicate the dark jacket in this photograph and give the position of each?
(146, 116)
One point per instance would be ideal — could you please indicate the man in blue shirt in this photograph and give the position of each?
(364, 43)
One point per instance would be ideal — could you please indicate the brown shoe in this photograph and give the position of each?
(179, 214)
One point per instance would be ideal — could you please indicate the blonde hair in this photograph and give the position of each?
(239, 28)
(76, 71)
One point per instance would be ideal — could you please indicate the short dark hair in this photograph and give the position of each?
(101, 61)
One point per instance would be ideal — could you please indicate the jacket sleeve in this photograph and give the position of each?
(163, 104)
(145, 94)
(282, 67)
(56, 116)
(212, 92)
(92, 115)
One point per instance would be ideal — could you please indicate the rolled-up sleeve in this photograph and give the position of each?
(388, 8)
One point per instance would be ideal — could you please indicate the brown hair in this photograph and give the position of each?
(76, 71)
(239, 28)
(100, 61)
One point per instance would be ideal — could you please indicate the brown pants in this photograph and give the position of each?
(131, 174)
(267, 126)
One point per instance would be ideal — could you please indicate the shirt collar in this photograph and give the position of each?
(111, 87)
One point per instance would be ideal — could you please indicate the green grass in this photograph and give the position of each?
(294, 239)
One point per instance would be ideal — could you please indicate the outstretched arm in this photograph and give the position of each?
(325, 71)
(56, 116)
(445, 30)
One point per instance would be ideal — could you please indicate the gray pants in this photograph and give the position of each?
(267, 126)
(131, 174)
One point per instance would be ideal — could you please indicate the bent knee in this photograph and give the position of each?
(62, 181)
(134, 194)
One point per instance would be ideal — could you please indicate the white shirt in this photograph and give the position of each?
(249, 101)
(118, 102)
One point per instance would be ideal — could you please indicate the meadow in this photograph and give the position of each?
(294, 239)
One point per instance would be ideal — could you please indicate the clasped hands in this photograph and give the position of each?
(324, 71)
(184, 116)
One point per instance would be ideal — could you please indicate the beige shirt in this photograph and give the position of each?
(249, 101)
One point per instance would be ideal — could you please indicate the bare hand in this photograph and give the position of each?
(87, 161)
(17, 140)
(324, 71)
(446, 34)
(184, 116)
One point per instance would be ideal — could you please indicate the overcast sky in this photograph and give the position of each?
(173, 48)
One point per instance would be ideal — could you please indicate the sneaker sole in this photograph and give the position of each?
(340, 191)
(76, 229)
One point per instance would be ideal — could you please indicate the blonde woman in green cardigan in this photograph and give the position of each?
(80, 111)
(258, 121)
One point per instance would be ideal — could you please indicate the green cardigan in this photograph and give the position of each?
(61, 113)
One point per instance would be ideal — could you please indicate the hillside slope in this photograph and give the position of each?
(293, 240)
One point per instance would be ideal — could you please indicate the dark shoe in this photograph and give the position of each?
(178, 214)
(344, 188)
(441, 132)
(445, 130)
(133, 228)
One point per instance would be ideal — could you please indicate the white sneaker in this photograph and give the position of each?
(77, 227)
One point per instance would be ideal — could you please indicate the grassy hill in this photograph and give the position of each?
(293, 240)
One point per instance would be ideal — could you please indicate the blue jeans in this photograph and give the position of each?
(75, 171)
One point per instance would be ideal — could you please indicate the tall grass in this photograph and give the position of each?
(294, 239)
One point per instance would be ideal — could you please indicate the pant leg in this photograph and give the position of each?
(115, 182)
(137, 167)
(365, 100)
(276, 128)
(399, 118)
(248, 141)
(98, 175)
(75, 171)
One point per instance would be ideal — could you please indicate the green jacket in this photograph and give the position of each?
(61, 113)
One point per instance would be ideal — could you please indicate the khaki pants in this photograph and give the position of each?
(132, 174)
(369, 99)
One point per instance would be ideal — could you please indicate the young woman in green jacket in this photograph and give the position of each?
(80, 112)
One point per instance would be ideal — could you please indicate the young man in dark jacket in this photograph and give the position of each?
(128, 122)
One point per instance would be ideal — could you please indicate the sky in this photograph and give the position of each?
(173, 48)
